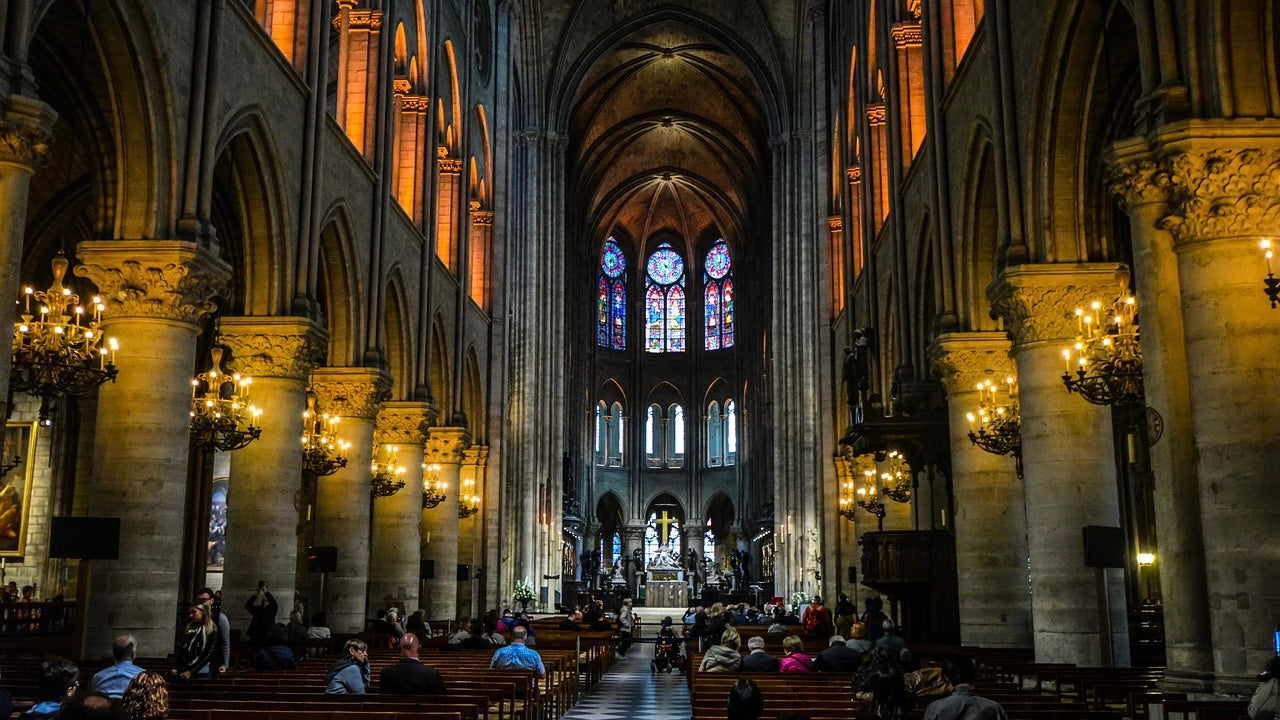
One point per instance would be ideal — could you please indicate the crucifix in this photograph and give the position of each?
(665, 524)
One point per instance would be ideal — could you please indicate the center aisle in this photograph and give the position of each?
(628, 690)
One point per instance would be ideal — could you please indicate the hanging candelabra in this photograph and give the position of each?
(867, 496)
(1271, 284)
(897, 479)
(222, 418)
(323, 452)
(1104, 365)
(997, 426)
(388, 475)
(468, 501)
(59, 348)
(848, 500)
(432, 486)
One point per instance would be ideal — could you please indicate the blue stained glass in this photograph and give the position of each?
(665, 265)
(675, 319)
(602, 315)
(653, 319)
(718, 261)
(712, 304)
(619, 315)
(612, 261)
(726, 312)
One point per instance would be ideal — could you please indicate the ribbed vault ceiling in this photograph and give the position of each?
(668, 137)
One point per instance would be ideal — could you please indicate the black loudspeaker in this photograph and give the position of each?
(464, 573)
(85, 538)
(322, 559)
(1103, 546)
(427, 569)
(853, 574)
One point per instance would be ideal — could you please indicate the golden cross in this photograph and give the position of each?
(665, 523)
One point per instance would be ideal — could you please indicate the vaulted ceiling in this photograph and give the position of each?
(668, 137)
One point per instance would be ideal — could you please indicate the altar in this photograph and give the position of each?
(664, 593)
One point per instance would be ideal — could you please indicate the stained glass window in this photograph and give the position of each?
(619, 311)
(718, 298)
(611, 300)
(730, 432)
(677, 422)
(664, 301)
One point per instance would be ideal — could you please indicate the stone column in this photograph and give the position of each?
(440, 524)
(1069, 464)
(632, 540)
(394, 559)
(1141, 186)
(991, 520)
(157, 293)
(24, 133)
(471, 479)
(696, 538)
(1223, 201)
(278, 353)
(342, 499)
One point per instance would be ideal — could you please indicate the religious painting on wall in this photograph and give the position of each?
(217, 550)
(15, 487)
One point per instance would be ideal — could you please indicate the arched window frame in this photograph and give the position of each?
(730, 432)
(602, 434)
(675, 436)
(611, 297)
(718, 295)
(617, 435)
(654, 445)
(665, 302)
(715, 435)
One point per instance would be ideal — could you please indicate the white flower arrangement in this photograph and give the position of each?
(524, 591)
(799, 598)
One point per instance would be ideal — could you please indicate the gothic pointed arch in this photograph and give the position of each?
(339, 289)
(980, 251)
(441, 374)
(473, 398)
(400, 336)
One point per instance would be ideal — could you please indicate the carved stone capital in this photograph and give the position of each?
(876, 113)
(1223, 193)
(477, 455)
(1038, 302)
(404, 423)
(163, 279)
(278, 347)
(907, 34)
(445, 445)
(962, 360)
(1134, 176)
(634, 533)
(25, 128)
(350, 392)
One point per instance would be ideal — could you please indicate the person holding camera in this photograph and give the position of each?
(262, 609)
(1266, 699)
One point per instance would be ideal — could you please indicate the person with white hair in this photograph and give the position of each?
(838, 657)
(757, 660)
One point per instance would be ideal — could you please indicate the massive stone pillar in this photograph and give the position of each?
(633, 540)
(991, 520)
(1069, 465)
(696, 538)
(440, 524)
(475, 460)
(397, 520)
(342, 499)
(278, 353)
(1224, 199)
(157, 292)
(24, 131)
(1141, 185)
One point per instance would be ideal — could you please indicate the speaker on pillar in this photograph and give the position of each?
(84, 538)
(427, 569)
(853, 574)
(322, 559)
(464, 573)
(1103, 546)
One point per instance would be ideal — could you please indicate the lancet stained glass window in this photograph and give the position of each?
(664, 301)
(718, 297)
(611, 300)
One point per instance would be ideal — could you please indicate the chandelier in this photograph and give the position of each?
(432, 486)
(867, 495)
(897, 478)
(222, 418)
(997, 427)
(468, 501)
(1105, 363)
(388, 476)
(57, 350)
(1271, 284)
(323, 453)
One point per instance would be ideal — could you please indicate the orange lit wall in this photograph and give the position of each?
(960, 21)
(854, 173)
(359, 76)
(835, 224)
(446, 207)
(481, 237)
(879, 161)
(413, 117)
(908, 42)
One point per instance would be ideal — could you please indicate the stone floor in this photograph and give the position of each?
(630, 690)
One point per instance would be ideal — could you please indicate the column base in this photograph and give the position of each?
(1187, 681)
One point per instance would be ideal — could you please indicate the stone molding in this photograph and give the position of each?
(445, 445)
(450, 166)
(353, 392)
(415, 103)
(634, 533)
(277, 347)
(25, 130)
(404, 423)
(854, 173)
(1223, 193)
(162, 279)
(1137, 180)
(1038, 302)
(477, 455)
(876, 113)
(835, 223)
(907, 34)
(962, 360)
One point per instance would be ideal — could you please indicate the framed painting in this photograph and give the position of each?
(15, 487)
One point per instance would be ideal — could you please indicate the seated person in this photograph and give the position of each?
(518, 654)
(350, 675)
(758, 660)
(113, 680)
(838, 657)
(569, 624)
(58, 681)
(724, 656)
(409, 676)
(276, 653)
(474, 640)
